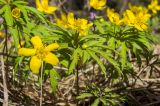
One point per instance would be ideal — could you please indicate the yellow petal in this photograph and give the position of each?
(16, 12)
(51, 59)
(98, 4)
(71, 19)
(35, 64)
(26, 52)
(52, 46)
(21, 44)
(37, 42)
(51, 9)
(39, 6)
(91, 2)
(102, 2)
(1, 34)
(44, 3)
(63, 17)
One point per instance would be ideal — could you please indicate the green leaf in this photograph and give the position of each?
(97, 59)
(107, 90)
(54, 76)
(111, 43)
(93, 36)
(65, 63)
(36, 12)
(14, 33)
(103, 101)
(24, 12)
(2, 1)
(96, 102)
(63, 45)
(3, 9)
(8, 16)
(65, 32)
(109, 59)
(17, 63)
(86, 56)
(20, 2)
(123, 55)
(84, 95)
(9, 21)
(75, 58)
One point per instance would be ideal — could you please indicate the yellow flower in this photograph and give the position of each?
(66, 21)
(97, 4)
(137, 17)
(113, 16)
(1, 34)
(63, 21)
(84, 46)
(154, 7)
(16, 12)
(22, 42)
(44, 7)
(137, 9)
(39, 54)
(79, 25)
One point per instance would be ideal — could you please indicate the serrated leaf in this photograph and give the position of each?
(14, 33)
(74, 61)
(96, 102)
(19, 2)
(107, 90)
(65, 63)
(24, 12)
(111, 45)
(103, 101)
(85, 57)
(66, 32)
(9, 21)
(97, 59)
(54, 76)
(109, 59)
(3, 1)
(3, 9)
(8, 17)
(36, 12)
(123, 55)
(18, 62)
(90, 37)
(84, 95)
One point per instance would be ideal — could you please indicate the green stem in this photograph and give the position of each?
(41, 92)
(77, 82)
(5, 50)
(76, 42)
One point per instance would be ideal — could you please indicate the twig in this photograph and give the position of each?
(60, 68)
(156, 80)
(5, 54)
(5, 102)
(70, 87)
(143, 69)
(152, 104)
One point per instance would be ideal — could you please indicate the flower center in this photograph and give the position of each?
(41, 52)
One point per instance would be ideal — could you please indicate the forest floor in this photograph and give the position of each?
(144, 90)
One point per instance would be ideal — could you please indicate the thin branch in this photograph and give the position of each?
(5, 54)
(74, 80)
